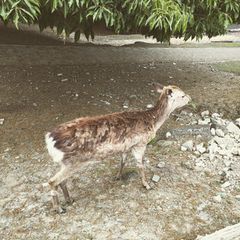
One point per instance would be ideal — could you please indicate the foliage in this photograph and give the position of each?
(158, 18)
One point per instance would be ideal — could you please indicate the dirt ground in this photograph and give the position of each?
(35, 97)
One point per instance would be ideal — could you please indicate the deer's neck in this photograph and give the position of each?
(160, 111)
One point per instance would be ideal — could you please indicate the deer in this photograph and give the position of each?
(88, 139)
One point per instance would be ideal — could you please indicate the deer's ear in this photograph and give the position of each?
(159, 87)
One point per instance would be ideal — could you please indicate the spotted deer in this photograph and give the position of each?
(74, 143)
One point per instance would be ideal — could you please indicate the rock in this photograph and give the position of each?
(165, 143)
(204, 122)
(217, 198)
(222, 173)
(155, 178)
(213, 131)
(237, 121)
(232, 128)
(219, 132)
(227, 162)
(168, 135)
(236, 152)
(218, 140)
(150, 106)
(126, 104)
(34, 104)
(188, 145)
(59, 74)
(226, 184)
(184, 149)
(192, 130)
(205, 113)
(161, 164)
(106, 102)
(237, 197)
(64, 80)
(2, 121)
(200, 148)
(216, 115)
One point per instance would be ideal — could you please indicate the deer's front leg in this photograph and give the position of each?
(138, 153)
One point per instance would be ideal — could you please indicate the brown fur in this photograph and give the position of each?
(83, 135)
(93, 138)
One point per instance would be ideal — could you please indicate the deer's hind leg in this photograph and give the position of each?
(122, 164)
(63, 186)
(59, 180)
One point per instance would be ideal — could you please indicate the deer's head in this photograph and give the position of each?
(176, 98)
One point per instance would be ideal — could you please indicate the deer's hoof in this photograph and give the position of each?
(70, 201)
(59, 210)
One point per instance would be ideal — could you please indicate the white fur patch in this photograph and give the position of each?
(55, 153)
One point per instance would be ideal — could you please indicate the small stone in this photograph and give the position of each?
(64, 80)
(59, 74)
(200, 148)
(155, 178)
(168, 135)
(217, 198)
(2, 121)
(227, 162)
(106, 102)
(213, 131)
(161, 164)
(236, 152)
(34, 104)
(232, 128)
(222, 174)
(205, 113)
(199, 136)
(215, 115)
(184, 149)
(150, 106)
(219, 132)
(188, 145)
(204, 122)
(218, 140)
(226, 184)
(126, 104)
(237, 197)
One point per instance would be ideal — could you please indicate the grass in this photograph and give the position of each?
(209, 45)
(233, 67)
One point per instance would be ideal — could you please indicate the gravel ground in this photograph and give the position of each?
(37, 94)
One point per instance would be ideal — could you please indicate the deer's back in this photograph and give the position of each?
(99, 136)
